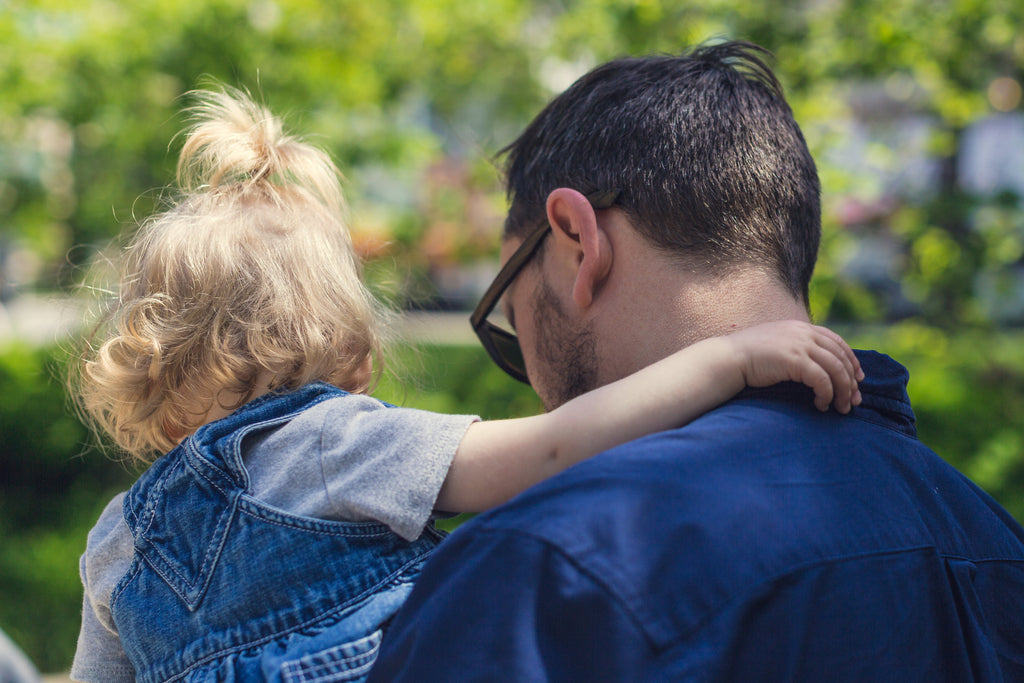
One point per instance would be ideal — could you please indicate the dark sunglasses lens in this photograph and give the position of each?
(505, 351)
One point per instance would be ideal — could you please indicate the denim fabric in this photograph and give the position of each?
(765, 541)
(225, 588)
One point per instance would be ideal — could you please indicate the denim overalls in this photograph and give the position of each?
(224, 588)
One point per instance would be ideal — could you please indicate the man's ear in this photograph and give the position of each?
(576, 230)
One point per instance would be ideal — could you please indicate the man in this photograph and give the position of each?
(657, 202)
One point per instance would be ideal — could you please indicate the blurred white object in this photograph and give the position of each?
(14, 665)
(39, 319)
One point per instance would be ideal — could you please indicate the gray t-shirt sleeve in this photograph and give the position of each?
(100, 657)
(353, 458)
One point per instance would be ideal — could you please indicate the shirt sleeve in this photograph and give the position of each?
(99, 656)
(505, 606)
(354, 458)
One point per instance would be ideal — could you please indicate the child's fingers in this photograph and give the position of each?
(814, 356)
(846, 353)
(816, 376)
(831, 379)
(835, 359)
(835, 345)
(852, 364)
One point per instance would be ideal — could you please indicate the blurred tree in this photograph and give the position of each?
(92, 93)
(92, 98)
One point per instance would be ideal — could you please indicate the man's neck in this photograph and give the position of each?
(667, 308)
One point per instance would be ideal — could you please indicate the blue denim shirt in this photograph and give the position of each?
(765, 541)
(225, 588)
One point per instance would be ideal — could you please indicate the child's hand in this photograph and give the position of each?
(800, 352)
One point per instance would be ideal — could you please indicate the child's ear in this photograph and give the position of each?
(363, 375)
(579, 235)
(174, 430)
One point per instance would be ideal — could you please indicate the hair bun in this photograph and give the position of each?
(235, 142)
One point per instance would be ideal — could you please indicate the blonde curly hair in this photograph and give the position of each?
(249, 274)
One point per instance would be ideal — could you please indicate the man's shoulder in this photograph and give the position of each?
(712, 470)
(679, 523)
(702, 487)
(689, 472)
(765, 466)
(671, 526)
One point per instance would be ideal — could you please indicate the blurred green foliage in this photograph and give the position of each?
(413, 99)
(454, 379)
(54, 488)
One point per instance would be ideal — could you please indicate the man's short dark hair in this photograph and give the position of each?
(703, 148)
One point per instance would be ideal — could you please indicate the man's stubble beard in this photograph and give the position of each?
(566, 351)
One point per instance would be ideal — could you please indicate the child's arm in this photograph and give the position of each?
(498, 459)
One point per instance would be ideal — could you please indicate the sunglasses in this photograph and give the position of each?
(501, 344)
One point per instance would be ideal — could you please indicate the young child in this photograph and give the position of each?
(285, 513)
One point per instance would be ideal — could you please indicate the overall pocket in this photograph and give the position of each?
(348, 662)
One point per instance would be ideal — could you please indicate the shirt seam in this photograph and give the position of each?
(747, 590)
(680, 635)
(875, 402)
(90, 672)
(593, 577)
(320, 459)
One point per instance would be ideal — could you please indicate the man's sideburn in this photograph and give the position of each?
(566, 351)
